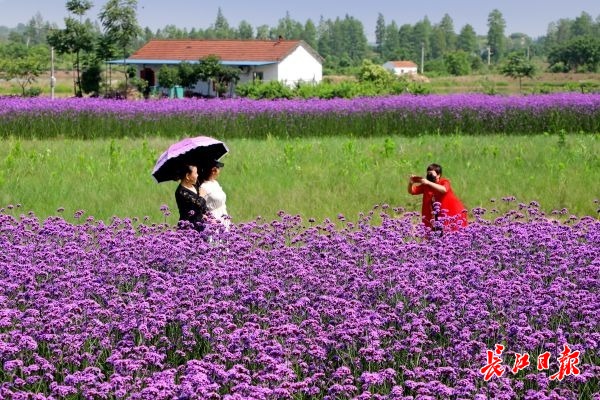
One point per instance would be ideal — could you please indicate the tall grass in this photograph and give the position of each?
(316, 177)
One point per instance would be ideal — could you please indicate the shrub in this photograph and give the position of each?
(33, 92)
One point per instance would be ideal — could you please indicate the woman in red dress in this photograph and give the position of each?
(451, 213)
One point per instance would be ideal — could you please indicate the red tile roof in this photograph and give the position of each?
(227, 50)
(404, 64)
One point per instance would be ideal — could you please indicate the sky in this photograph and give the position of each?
(523, 16)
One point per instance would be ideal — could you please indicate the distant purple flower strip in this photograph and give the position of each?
(431, 104)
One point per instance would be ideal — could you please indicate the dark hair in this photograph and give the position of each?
(435, 167)
(205, 171)
(183, 170)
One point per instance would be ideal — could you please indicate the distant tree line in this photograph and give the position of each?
(438, 48)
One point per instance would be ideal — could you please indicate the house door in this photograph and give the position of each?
(147, 74)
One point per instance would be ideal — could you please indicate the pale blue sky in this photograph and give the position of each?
(526, 16)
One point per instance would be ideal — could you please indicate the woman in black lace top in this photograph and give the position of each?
(191, 204)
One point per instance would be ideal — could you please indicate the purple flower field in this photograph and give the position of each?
(293, 310)
(405, 115)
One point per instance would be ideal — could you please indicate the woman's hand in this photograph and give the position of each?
(415, 179)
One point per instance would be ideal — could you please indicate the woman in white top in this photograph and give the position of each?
(215, 196)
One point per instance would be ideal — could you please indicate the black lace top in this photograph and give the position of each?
(192, 207)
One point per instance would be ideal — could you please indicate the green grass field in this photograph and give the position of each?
(318, 178)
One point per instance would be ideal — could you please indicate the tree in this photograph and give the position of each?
(495, 36)
(341, 42)
(438, 42)
(78, 37)
(289, 28)
(188, 74)
(36, 31)
(518, 67)
(446, 26)
(374, 73)
(309, 35)
(390, 48)
(582, 52)
(458, 63)
(406, 46)
(583, 25)
(211, 69)
(168, 76)
(91, 78)
(262, 32)
(467, 40)
(24, 69)
(421, 38)
(221, 26)
(245, 30)
(380, 32)
(120, 24)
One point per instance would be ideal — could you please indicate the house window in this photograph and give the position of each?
(257, 76)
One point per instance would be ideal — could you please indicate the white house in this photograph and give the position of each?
(401, 67)
(288, 61)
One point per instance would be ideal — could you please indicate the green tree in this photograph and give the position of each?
(289, 28)
(221, 27)
(390, 49)
(458, 62)
(495, 36)
(374, 73)
(78, 37)
(583, 25)
(262, 32)
(578, 53)
(438, 42)
(91, 78)
(309, 35)
(245, 30)
(120, 24)
(24, 69)
(380, 33)
(406, 46)
(421, 38)
(168, 76)
(518, 67)
(36, 31)
(210, 69)
(443, 38)
(467, 40)
(558, 33)
(188, 74)
(341, 42)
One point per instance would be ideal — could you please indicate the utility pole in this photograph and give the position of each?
(422, 56)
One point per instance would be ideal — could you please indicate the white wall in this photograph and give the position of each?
(300, 65)
(399, 70)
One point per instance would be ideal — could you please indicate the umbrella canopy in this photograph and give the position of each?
(192, 151)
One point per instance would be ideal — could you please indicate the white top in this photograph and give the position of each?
(215, 201)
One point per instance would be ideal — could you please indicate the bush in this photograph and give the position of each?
(168, 76)
(90, 79)
(264, 90)
(33, 92)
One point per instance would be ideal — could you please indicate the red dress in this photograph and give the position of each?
(451, 209)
